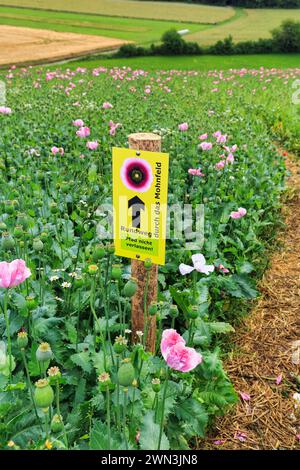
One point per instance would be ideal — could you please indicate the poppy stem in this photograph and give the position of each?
(8, 333)
(163, 409)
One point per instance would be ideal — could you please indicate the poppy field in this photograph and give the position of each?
(71, 374)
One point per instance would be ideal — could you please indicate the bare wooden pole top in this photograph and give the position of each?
(145, 141)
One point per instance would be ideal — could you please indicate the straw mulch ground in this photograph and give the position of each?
(267, 346)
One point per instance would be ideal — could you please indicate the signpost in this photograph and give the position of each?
(140, 190)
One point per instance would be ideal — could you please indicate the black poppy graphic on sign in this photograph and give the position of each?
(136, 174)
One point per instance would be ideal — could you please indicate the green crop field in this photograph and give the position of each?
(144, 22)
(133, 9)
(201, 63)
(249, 25)
(139, 30)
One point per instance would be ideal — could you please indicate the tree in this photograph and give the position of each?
(286, 38)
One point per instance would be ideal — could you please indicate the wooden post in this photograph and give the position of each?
(151, 143)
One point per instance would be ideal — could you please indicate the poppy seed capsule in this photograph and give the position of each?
(3, 226)
(37, 245)
(23, 220)
(152, 309)
(148, 264)
(130, 288)
(155, 385)
(193, 312)
(43, 394)
(116, 272)
(43, 352)
(174, 311)
(110, 248)
(57, 424)
(31, 302)
(18, 231)
(22, 339)
(120, 344)
(44, 236)
(99, 252)
(92, 269)
(126, 374)
(7, 241)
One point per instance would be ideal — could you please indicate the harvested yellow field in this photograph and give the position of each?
(133, 9)
(22, 45)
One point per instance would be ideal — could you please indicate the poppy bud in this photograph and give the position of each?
(130, 287)
(126, 374)
(43, 394)
(43, 352)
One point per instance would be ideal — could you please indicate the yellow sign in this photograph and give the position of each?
(140, 193)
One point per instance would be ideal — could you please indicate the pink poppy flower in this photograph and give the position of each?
(92, 145)
(223, 269)
(14, 273)
(113, 127)
(203, 136)
(136, 174)
(219, 442)
(241, 212)
(220, 165)
(279, 379)
(195, 172)
(200, 265)
(83, 132)
(55, 150)
(183, 126)
(245, 396)
(221, 139)
(230, 159)
(230, 149)
(241, 436)
(182, 358)
(5, 110)
(78, 123)
(107, 105)
(169, 339)
(205, 145)
(217, 134)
